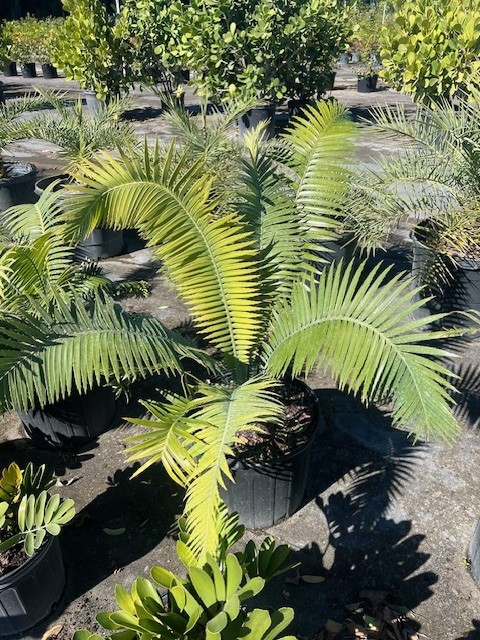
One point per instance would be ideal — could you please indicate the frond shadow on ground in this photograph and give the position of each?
(360, 542)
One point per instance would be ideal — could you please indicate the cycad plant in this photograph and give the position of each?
(12, 126)
(37, 261)
(246, 265)
(78, 134)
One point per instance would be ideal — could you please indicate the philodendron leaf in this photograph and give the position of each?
(104, 620)
(162, 576)
(124, 599)
(203, 585)
(218, 623)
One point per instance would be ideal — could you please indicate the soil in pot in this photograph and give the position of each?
(367, 84)
(74, 421)
(271, 469)
(254, 117)
(17, 185)
(29, 592)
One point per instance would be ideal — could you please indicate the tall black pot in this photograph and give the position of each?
(101, 243)
(460, 285)
(367, 84)
(10, 69)
(254, 117)
(49, 71)
(18, 184)
(29, 70)
(266, 492)
(28, 594)
(77, 420)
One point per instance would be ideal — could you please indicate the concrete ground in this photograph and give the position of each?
(378, 513)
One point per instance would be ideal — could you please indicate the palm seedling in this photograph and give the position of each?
(12, 126)
(245, 263)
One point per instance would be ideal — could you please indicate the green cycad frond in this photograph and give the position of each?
(320, 143)
(210, 259)
(25, 222)
(74, 346)
(266, 201)
(39, 268)
(192, 437)
(223, 413)
(360, 326)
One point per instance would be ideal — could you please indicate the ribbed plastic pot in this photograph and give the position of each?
(267, 492)
(102, 243)
(254, 117)
(10, 69)
(29, 70)
(74, 421)
(49, 71)
(28, 594)
(367, 84)
(94, 105)
(18, 185)
(460, 293)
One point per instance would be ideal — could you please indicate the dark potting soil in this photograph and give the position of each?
(277, 440)
(12, 558)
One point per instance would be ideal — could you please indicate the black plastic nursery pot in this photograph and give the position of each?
(268, 491)
(328, 80)
(459, 289)
(29, 593)
(254, 117)
(49, 71)
(10, 70)
(101, 243)
(29, 70)
(18, 184)
(75, 421)
(367, 84)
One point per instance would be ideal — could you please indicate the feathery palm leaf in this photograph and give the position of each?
(210, 260)
(320, 143)
(73, 346)
(360, 326)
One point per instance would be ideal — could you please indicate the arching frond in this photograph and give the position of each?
(359, 324)
(209, 259)
(74, 346)
(25, 222)
(321, 145)
(223, 413)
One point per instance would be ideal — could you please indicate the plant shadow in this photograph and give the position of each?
(474, 634)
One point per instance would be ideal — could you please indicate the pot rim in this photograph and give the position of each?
(29, 170)
(8, 578)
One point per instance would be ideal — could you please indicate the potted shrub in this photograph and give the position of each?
(90, 51)
(260, 51)
(431, 50)
(80, 136)
(8, 66)
(208, 602)
(17, 179)
(39, 265)
(435, 180)
(367, 80)
(24, 36)
(32, 575)
(153, 30)
(49, 30)
(242, 261)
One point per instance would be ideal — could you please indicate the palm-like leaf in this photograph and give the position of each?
(360, 326)
(25, 222)
(320, 144)
(436, 173)
(71, 346)
(211, 260)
